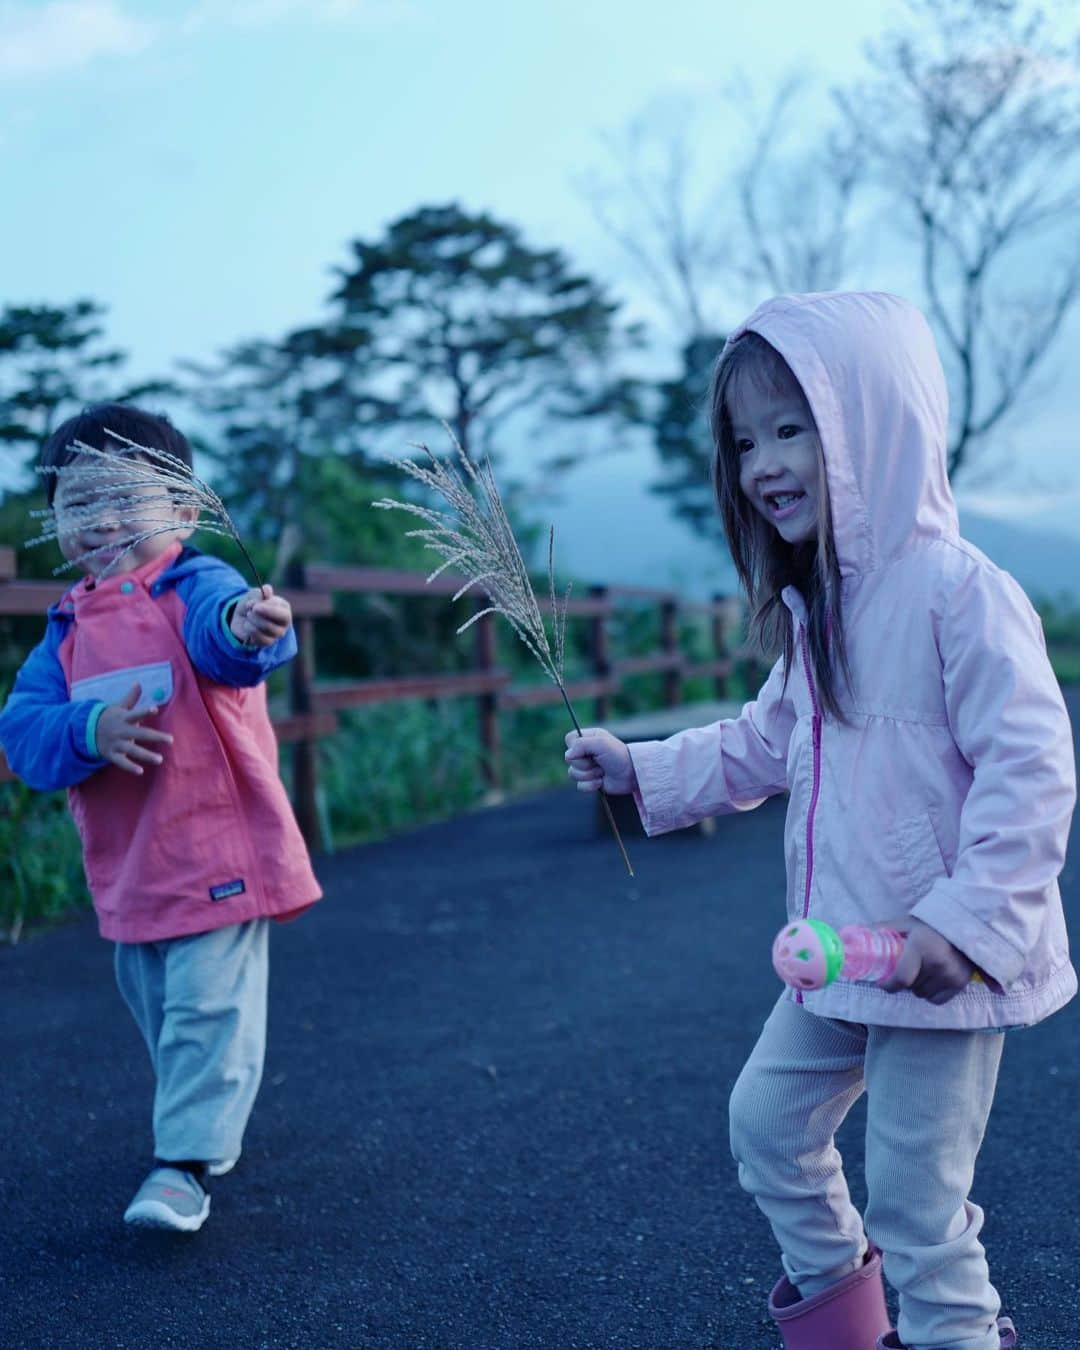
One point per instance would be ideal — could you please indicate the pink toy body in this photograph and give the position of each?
(809, 954)
(870, 954)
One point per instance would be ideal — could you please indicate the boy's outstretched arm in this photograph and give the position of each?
(232, 635)
(49, 739)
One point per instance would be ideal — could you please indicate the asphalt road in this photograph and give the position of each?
(494, 1114)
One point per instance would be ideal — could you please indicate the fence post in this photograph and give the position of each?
(305, 751)
(669, 641)
(488, 704)
(600, 650)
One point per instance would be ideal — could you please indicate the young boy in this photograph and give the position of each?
(145, 699)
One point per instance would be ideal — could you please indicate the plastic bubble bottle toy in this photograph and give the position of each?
(809, 954)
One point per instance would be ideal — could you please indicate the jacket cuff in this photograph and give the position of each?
(968, 933)
(226, 621)
(655, 796)
(91, 730)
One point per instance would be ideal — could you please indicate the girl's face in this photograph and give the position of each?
(779, 458)
(95, 509)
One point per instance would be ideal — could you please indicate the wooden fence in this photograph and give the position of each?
(314, 706)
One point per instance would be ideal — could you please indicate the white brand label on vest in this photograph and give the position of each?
(227, 890)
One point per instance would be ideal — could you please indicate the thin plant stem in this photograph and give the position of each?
(604, 800)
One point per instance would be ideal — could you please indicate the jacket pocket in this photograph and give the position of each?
(155, 679)
(919, 853)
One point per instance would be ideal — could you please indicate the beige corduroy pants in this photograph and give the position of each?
(929, 1094)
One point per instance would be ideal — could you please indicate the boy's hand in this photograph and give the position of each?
(597, 759)
(260, 617)
(123, 740)
(931, 967)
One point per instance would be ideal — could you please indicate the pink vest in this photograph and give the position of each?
(208, 838)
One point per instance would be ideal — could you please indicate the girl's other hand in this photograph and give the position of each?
(597, 759)
(931, 967)
(123, 740)
(260, 617)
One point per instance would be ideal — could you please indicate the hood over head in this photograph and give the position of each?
(870, 370)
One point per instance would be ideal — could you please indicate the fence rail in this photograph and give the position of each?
(314, 706)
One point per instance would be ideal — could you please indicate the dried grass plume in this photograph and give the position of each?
(139, 486)
(474, 537)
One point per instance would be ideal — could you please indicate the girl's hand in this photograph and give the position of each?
(123, 740)
(260, 618)
(931, 967)
(597, 759)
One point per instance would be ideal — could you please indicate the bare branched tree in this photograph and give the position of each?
(706, 235)
(674, 236)
(973, 121)
(698, 230)
(797, 214)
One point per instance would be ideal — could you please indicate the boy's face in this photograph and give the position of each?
(779, 458)
(97, 507)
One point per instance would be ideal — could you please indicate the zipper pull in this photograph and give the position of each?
(816, 725)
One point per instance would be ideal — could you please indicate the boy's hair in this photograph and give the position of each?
(92, 425)
(764, 560)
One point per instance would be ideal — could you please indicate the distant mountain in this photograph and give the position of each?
(610, 529)
(1045, 563)
(613, 530)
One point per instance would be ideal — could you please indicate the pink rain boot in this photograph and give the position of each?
(1006, 1330)
(849, 1315)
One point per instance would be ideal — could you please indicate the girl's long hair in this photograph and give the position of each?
(765, 561)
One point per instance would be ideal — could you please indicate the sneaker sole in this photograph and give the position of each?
(218, 1169)
(153, 1214)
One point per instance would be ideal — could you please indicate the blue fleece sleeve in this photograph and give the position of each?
(47, 737)
(208, 591)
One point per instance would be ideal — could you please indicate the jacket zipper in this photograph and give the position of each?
(815, 723)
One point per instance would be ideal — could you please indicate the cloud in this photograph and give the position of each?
(63, 35)
(1018, 505)
(260, 13)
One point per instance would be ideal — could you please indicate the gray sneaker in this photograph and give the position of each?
(169, 1198)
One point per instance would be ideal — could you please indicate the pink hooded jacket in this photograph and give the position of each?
(950, 792)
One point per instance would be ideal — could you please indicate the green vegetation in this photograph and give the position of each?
(1061, 624)
(41, 875)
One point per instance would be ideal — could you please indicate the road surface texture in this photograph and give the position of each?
(493, 1114)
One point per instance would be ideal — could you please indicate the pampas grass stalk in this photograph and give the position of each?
(140, 486)
(474, 536)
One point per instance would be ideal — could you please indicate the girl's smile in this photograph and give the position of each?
(783, 505)
(779, 460)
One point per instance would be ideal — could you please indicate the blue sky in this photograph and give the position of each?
(199, 166)
(201, 173)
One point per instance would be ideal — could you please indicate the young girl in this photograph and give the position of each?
(914, 719)
(145, 699)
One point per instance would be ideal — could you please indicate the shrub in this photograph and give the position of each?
(41, 874)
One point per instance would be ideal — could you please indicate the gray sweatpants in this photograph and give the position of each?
(928, 1098)
(200, 1003)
